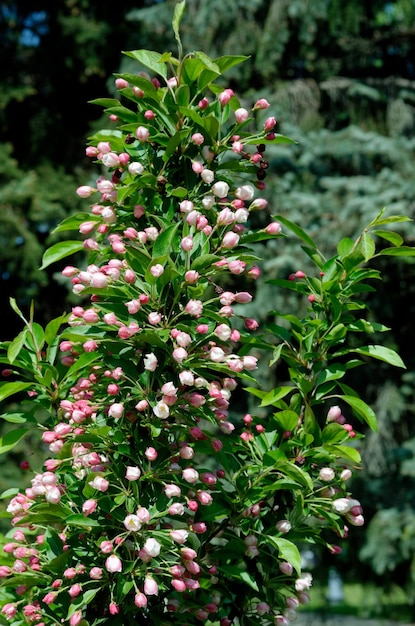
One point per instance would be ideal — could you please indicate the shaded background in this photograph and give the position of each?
(340, 77)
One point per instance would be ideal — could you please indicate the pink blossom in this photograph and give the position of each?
(190, 475)
(151, 453)
(116, 410)
(179, 535)
(187, 244)
(113, 564)
(225, 96)
(198, 139)
(241, 115)
(76, 618)
(152, 547)
(142, 133)
(208, 176)
(172, 491)
(274, 228)
(194, 308)
(191, 277)
(245, 192)
(179, 354)
(230, 240)
(203, 103)
(220, 189)
(140, 600)
(154, 318)
(286, 568)
(150, 586)
(89, 506)
(150, 362)
(99, 483)
(85, 191)
(156, 270)
(135, 168)
(186, 377)
(258, 204)
(95, 573)
(114, 608)
(132, 472)
(261, 104)
(143, 515)
(178, 585)
(161, 410)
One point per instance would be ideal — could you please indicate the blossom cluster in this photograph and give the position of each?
(150, 503)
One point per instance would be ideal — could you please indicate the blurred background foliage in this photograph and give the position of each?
(340, 76)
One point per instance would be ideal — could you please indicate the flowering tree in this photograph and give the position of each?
(155, 506)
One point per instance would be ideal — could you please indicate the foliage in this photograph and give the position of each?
(156, 504)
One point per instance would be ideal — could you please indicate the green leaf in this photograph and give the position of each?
(204, 261)
(59, 251)
(367, 246)
(51, 329)
(14, 418)
(177, 16)
(9, 493)
(402, 251)
(275, 395)
(149, 59)
(9, 389)
(297, 231)
(163, 245)
(288, 420)
(345, 247)
(382, 353)
(207, 62)
(344, 451)
(11, 439)
(54, 543)
(80, 520)
(16, 345)
(362, 410)
(277, 139)
(393, 238)
(287, 551)
(224, 63)
(392, 219)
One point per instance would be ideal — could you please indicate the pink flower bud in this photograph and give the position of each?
(203, 104)
(150, 362)
(85, 191)
(284, 526)
(261, 104)
(225, 96)
(327, 474)
(132, 473)
(269, 123)
(198, 139)
(151, 453)
(113, 564)
(96, 573)
(242, 297)
(274, 228)
(179, 536)
(207, 176)
(194, 308)
(230, 240)
(116, 410)
(241, 115)
(140, 600)
(142, 133)
(150, 586)
(187, 244)
(156, 270)
(220, 189)
(286, 568)
(89, 506)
